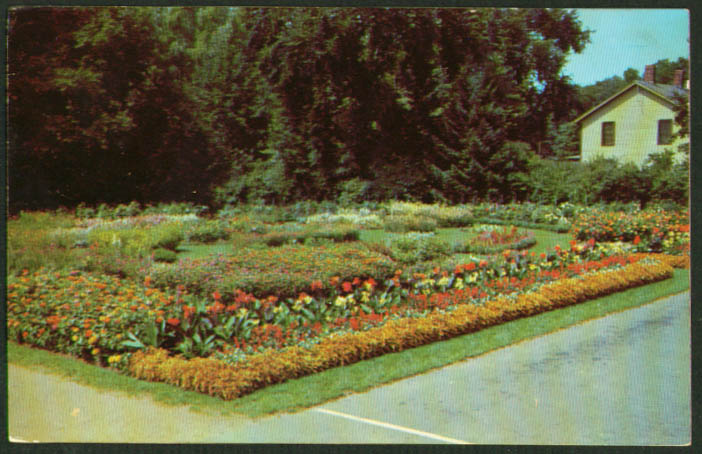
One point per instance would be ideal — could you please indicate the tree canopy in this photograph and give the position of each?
(228, 105)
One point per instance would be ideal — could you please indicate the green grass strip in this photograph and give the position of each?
(334, 383)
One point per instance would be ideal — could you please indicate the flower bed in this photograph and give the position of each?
(491, 240)
(282, 272)
(217, 378)
(656, 230)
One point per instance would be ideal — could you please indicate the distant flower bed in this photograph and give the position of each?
(648, 230)
(491, 239)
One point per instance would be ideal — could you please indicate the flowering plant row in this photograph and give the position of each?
(217, 378)
(656, 230)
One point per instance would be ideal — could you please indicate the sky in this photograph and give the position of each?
(628, 38)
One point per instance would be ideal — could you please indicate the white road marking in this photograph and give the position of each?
(19, 440)
(392, 426)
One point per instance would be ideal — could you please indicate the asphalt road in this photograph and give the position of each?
(620, 380)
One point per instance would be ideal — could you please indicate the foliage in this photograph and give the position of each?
(490, 240)
(417, 247)
(164, 255)
(297, 233)
(208, 231)
(283, 271)
(406, 223)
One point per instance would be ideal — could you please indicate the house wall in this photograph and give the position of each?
(635, 114)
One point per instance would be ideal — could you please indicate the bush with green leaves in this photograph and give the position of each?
(301, 233)
(417, 247)
(164, 255)
(208, 231)
(402, 223)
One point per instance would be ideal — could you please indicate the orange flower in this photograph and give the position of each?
(316, 285)
(173, 321)
(216, 295)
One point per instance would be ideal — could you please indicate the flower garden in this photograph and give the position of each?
(233, 302)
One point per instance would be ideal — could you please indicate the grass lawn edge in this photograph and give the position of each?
(338, 382)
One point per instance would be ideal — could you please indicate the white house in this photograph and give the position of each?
(633, 123)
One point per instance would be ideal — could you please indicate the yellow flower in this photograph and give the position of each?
(340, 301)
(114, 359)
(95, 351)
(242, 312)
(92, 339)
(458, 284)
(74, 338)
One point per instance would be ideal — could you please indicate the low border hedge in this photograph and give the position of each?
(219, 379)
(558, 228)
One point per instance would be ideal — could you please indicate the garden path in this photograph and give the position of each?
(623, 379)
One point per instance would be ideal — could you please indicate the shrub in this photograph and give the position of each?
(362, 217)
(414, 248)
(301, 234)
(164, 255)
(409, 223)
(207, 231)
(167, 236)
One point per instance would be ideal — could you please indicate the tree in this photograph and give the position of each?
(415, 102)
(119, 127)
(631, 75)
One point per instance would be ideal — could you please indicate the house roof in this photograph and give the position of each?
(666, 92)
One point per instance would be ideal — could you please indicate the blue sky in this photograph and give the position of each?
(628, 38)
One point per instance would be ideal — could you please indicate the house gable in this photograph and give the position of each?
(632, 116)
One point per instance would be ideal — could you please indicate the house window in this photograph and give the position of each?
(665, 132)
(608, 134)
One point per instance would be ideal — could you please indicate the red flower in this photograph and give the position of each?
(458, 269)
(637, 240)
(356, 281)
(371, 282)
(469, 267)
(316, 285)
(482, 264)
(216, 296)
(173, 321)
(346, 286)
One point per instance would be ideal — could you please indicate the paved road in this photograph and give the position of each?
(620, 380)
